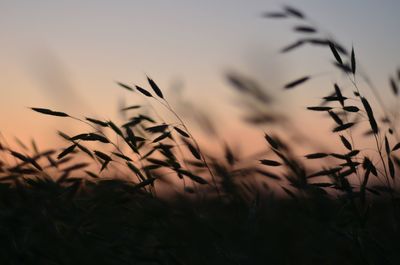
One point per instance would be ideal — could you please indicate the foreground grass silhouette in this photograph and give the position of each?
(74, 206)
(111, 222)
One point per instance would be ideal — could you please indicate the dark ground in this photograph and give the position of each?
(111, 222)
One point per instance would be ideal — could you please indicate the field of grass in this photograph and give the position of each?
(96, 200)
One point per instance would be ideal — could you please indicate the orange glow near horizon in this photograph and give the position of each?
(52, 61)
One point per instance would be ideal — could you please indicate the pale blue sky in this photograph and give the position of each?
(65, 54)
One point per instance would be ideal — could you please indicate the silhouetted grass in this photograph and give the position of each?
(95, 201)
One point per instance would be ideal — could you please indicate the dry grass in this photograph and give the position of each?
(96, 200)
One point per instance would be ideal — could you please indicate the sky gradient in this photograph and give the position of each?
(67, 55)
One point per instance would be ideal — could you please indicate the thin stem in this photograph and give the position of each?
(168, 106)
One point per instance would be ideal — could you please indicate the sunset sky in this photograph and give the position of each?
(67, 55)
